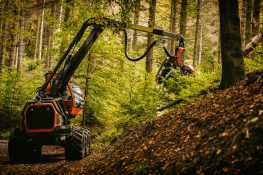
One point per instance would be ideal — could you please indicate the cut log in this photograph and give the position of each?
(253, 43)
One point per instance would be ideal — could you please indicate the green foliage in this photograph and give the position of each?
(255, 63)
(11, 99)
(4, 135)
(16, 89)
(32, 65)
(140, 103)
(191, 88)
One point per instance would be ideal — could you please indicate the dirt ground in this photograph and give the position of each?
(52, 159)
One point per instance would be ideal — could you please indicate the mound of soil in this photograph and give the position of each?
(218, 135)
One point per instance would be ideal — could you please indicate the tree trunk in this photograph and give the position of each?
(88, 114)
(243, 22)
(200, 45)
(60, 13)
(49, 38)
(13, 37)
(136, 21)
(248, 21)
(172, 24)
(41, 31)
(20, 44)
(151, 24)
(68, 10)
(219, 48)
(183, 17)
(37, 36)
(3, 45)
(196, 31)
(232, 60)
(256, 17)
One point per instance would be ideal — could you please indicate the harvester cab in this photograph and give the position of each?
(47, 118)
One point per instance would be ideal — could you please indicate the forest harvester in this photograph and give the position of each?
(46, 118)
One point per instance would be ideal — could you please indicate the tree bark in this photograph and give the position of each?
(136, 21)
(232, 60)
(151, 24)
(253, 43)
(243, 22)
(183, 17)
(256, 17)
(49, 39)
(3, 45)
(196, 31)
(68, 10)
(37, 36)
(172, 24)
(41, 31)
(12, 55)
(248, 21)
(219, 49)
(200, 45)
(61, 11)
(20, 44)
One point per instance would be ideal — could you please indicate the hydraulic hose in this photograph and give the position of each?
(143, 55)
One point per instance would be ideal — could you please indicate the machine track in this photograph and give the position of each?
(77, 144)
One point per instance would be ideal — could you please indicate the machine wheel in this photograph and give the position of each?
(76, 143)
(87, 141)
(17, 150)
(34, 151)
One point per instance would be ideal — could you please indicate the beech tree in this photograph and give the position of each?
(173, 23)
(136, 21)
(256, 17)
(183, 17)
(151, 23)
(196, 31)
(248, 21)
(232, 60)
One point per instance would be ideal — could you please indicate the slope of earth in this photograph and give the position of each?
(217, 135)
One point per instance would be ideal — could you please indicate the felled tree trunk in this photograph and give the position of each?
(253, 43)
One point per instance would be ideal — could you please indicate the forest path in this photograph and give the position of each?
(52, 159)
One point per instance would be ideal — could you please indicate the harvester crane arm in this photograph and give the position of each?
(72, 62)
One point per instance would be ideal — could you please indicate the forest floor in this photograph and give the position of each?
(217, 135)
